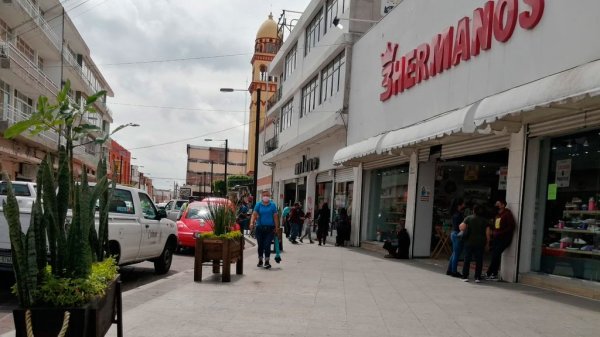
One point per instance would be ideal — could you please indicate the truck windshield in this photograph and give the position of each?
(20, 190)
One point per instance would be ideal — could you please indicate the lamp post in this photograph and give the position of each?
(226, 158)
(256, 135)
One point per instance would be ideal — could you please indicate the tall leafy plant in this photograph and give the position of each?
(222, 216)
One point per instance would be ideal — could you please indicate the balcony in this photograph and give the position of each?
(271, 145)
(12, 58)
(10, 115)
(36, 16)
(274, 99)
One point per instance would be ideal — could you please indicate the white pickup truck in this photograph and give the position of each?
(137, 231)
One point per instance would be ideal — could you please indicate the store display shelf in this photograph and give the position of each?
(573, 230)
(577, 212)
(582, 252)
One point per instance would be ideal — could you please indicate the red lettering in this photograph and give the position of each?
(462, 46)
(506, 10)
(421, 63)
(530, 19)
(483, 18)
(442, 51)
(388, 57)
(410, 69)
(398, 76)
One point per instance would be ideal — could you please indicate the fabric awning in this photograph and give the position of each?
(455, 121)
(358, 150)
(568, 86)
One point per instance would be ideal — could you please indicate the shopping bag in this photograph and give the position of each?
(276, 243)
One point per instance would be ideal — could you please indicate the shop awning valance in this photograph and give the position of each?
(452, 122)
(358, 150)
(568, 86)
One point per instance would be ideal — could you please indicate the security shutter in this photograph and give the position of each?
(474, 146)
(424, 154)
(387, 161)
(567, 124)
(345, 174)
(324, 177)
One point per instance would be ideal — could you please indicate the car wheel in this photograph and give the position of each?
(163, 263)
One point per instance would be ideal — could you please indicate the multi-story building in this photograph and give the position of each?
(120, 163)
(206, 165)
(310, 111)
(40, 49)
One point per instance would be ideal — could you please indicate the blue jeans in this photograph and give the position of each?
(295, 231)
(457, 248)
(264, 236)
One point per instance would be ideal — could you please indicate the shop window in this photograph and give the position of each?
(387, 202)
(343, 197)
(568, 219)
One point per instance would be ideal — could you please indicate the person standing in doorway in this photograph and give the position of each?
(295, 219)
(499, 237)
(307, 227)
(266, 221)
(457, 212)
(323, 219)
(474, 236)
(343, 228)
(285, 218)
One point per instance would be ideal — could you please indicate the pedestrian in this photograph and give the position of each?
(500, 236)
(400, 247)
(457, 211)
(307, 227)
(285, 219)
(343, 227)
(266, 221)
(296, 218)
(243, 219)
(474, 229)
(323, 218)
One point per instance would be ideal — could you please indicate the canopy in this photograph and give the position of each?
(358, 150)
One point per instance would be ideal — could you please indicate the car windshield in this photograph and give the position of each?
(198, 212)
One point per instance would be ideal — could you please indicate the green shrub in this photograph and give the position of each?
(227, 236)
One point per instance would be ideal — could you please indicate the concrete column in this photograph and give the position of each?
(311, 191)
(413, 171)
(356, 206)
(514, 193)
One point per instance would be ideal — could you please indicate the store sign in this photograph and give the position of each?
(563, 173)
(456, 44)
(502, 178)
(306, 165)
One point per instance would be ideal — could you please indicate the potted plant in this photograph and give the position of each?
(223, 245)
(65, 282)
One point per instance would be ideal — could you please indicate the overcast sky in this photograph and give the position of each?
(203, 45)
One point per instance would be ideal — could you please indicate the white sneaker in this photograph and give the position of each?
(465, 280)
(477, 280)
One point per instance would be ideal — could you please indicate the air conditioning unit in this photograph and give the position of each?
(4, 61)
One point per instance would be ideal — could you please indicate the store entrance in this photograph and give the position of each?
(289, 194)
(478, 179)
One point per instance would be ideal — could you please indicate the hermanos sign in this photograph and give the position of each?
(456, 44)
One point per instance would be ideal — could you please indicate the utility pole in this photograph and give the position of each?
(256, 140)
(226, 158)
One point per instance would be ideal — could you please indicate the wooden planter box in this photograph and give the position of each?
(219, 252)
(91, 320)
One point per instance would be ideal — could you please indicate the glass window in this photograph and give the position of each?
(568, 219)
(334, 8)
(285, 121)
(23, 103)
(19, 190)
(313, 33)
(343, 197)
(331, 77)
(148, 207)
(290, 62)
(4, 31)
(196, 211)
(387, 204)
(122, 202)
(24, 48)
(309, 97)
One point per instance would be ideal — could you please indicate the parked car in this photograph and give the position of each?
(173, 208)
(161, 206)
(195, 218)
(137, 231)
(24, 191)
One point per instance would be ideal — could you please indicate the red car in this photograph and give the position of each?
(195, 219)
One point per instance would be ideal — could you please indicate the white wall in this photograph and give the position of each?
(564, 38)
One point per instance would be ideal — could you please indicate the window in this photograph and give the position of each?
(20, 190)
(148, 207)
(331, 77)
(334, 8)
(25, 49)
(122, 202)
(313, 33)
(309, 97)
(4, 31)
(263, 73)
(23, 103)
(198, 211)
(290, 62)
(286, 116)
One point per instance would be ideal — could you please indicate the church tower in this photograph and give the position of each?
(268, 42)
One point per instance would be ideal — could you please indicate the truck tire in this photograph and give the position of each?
(163, 263)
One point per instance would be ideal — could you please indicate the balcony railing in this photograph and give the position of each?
(37, 17)
(27, 66)
(12, 116)
(271, 145)
(274, 99)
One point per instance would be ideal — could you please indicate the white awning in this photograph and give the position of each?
(358, 150)
(568, 86)
(455, 121)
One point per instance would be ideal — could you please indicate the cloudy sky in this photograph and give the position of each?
(165, 61)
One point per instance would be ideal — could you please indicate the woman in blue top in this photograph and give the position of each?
(266, 220)
(457, 211)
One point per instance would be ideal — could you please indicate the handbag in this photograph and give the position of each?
(277, 253)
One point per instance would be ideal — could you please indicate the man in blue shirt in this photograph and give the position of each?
(266, 220)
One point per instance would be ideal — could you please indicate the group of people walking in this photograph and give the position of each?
(476, 234)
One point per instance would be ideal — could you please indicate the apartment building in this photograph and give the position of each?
(310, 110)
(40, 49)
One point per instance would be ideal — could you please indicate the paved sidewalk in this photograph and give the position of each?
(332, 291)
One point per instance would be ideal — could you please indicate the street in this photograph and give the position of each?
(133, 276)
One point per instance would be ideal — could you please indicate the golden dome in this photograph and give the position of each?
(268, 29)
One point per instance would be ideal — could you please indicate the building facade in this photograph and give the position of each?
(40, 49)
(310, 112)
(120, 163)
(205, 165)
(484, 101)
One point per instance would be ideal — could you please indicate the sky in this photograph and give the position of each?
(165, 61)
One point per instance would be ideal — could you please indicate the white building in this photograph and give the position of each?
(40, 48)
(310, 111)
(484, 101)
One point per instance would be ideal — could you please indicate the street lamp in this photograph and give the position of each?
(256, 135)
(336, 21)
(226, 157)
